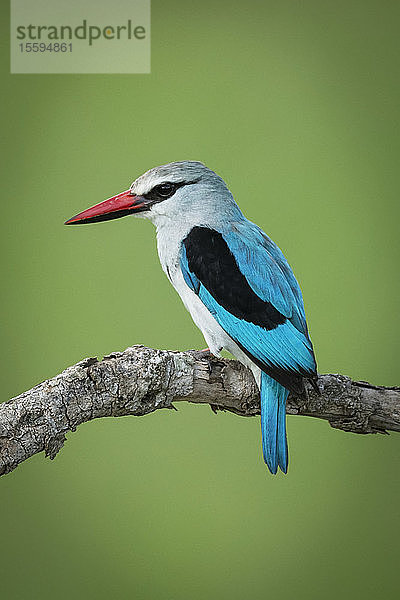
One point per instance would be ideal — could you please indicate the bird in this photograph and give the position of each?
(233, 279)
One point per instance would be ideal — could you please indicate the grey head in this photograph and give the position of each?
(186, 190)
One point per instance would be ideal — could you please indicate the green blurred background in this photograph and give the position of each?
(296, 105)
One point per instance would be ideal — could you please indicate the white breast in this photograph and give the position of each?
(169, 247)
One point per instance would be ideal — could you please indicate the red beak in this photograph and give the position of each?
(121, 205)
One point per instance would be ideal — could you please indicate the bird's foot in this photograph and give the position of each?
(216, 408)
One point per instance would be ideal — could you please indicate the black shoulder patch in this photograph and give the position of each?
(211, 260)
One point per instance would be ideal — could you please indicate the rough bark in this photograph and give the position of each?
(141, 380)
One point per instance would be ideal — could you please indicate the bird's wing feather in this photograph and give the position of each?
(267, 270)
(247, 285)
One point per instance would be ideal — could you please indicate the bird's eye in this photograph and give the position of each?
(165, 190)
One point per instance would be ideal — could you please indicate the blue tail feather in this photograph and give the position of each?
(282, 440)
(273, 423)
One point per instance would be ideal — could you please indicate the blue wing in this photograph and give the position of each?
(267, 271)
(219, 266)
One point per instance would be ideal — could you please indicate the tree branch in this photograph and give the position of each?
(141, 380)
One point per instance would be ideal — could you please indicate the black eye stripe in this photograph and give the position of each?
(165, 190)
